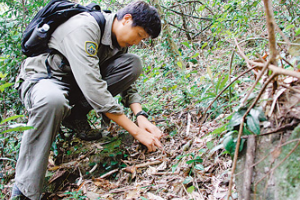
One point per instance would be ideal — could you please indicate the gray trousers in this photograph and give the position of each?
(48, 103)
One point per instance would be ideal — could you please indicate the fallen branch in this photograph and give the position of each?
(249, 170)
(280, 129)
(129, 168)
(275, 69)
(109, 173)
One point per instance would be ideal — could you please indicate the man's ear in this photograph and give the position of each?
(126, 18)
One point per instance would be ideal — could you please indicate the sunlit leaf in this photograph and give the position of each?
(174, 167)
(210, 145)
(11, 118)
(297, 31)
(204, 45)
(179, 64)
(2, 75)
(236, 118)
(186, 44)
(5, 85)
(187, 180)
(209, 72)
(196, 55)
(190, 189)
(220, 129)
(21, 128)
(199, 167)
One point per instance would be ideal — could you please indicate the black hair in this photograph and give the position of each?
(143, 15)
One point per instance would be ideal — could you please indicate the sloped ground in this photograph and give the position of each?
(184, 169)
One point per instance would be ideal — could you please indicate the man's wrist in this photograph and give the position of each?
(142, 113)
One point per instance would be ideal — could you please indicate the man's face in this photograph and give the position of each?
(129, 35)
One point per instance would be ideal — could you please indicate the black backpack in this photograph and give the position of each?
(37, 34)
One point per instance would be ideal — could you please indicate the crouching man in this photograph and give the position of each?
(98, 68)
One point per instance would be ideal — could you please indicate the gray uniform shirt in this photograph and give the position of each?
(78, 40)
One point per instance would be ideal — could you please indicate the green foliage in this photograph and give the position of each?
(76, 195)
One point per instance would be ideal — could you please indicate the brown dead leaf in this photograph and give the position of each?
(151, 196)
(276, 153)
(133, 194)
(57, 174)
(102, 183)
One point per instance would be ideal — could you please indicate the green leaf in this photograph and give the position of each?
(191, 189)
(179, 64)
(186, 44)
(196, 55)
(143, 198)
(289, 27)
(199, 167)
(220, 129)
(246, 131)
(258, 111)
(21, 128)
(236, 119)
(200, 160)
(297, 31)
(218, 84)
(216, 148)
(229, 144)
(174, 167)
(174, 87)
(210, 145)
(253, 124)
(2, 75)
(6, 85)
(11, 118)
(187, 180)
(224, 81)
(204, 45)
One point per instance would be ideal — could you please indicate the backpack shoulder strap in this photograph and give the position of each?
(100, 20)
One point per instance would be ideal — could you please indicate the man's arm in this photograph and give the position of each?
(146, 138)
(143, 122)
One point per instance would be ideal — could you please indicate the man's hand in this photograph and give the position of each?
(145, 124)
(148, 139)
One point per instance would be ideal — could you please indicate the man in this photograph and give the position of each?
(96, 71)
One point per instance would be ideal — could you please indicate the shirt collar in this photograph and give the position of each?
(107, 38)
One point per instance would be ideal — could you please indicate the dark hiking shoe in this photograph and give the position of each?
(16, 194)
(82, 129)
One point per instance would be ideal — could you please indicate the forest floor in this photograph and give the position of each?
(186, 168)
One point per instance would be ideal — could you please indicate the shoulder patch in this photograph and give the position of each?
(91, 48)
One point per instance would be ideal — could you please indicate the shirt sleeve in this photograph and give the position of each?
(130, 96)
(80, 46)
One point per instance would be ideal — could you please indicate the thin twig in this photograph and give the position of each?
(180, 4)
(109, 173)
(179, 13)
(275, 69)
(290, 88)
(258, 77)
(283, 128)
(188, 125)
